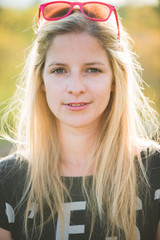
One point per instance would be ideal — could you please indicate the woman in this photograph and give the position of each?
(86, 165)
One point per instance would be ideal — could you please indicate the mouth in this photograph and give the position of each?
(77, 106)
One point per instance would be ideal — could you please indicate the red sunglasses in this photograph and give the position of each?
(95, 11)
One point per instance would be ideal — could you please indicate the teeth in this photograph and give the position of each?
(76, 105)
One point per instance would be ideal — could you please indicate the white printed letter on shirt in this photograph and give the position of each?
(67, 228)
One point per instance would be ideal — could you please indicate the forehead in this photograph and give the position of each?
(73, 45)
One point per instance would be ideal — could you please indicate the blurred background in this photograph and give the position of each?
(140, 18)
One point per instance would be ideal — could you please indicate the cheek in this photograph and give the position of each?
(103, 97)
(51, 97)
(104, 93)
(106, 100)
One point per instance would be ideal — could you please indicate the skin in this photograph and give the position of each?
(158, 232)
(77, 71)
(4, 234)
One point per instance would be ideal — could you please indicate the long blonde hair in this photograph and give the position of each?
(127, 126)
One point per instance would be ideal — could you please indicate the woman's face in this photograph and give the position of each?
(77, 79)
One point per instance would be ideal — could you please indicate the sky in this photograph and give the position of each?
(21, 4)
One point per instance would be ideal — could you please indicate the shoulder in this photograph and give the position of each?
(7, 162)
(13, 161)
(151, 161)
(12, 168)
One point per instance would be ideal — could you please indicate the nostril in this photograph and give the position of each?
(76, 85)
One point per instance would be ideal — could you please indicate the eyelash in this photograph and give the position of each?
(56, 71)
(62, 70)
(94, 70)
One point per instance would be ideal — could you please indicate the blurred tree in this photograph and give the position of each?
(158, 6)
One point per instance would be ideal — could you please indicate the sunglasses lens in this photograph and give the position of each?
(56, 10)
(97, 11)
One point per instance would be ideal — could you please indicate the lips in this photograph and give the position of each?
(77, 106)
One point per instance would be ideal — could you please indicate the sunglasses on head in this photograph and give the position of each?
(95, 11)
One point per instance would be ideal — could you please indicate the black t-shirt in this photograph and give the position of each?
(77, 220)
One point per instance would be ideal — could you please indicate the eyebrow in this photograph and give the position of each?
(94, 63)
(85, 64)
(56, 64)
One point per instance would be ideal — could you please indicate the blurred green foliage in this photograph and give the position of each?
(16, 35)
(143, 24)
(16, 32)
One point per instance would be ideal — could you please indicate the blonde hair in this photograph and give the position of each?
(127, 126)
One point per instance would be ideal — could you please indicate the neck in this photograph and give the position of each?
(76, 145)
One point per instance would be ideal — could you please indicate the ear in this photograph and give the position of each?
(43, 87)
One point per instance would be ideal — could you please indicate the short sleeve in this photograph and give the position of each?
(12, 179)
(154, 172)
(3, 217)
(155, 178)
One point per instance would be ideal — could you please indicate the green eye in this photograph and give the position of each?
(93, 70)
(58, 70)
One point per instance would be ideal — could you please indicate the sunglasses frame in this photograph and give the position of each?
(80, 4)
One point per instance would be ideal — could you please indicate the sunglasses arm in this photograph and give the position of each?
(39, 16)
(117, 21)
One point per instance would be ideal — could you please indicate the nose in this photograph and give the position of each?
(76, 84)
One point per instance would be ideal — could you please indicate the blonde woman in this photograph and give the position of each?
(86, 166)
